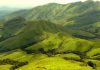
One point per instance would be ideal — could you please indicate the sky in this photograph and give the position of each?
(32, 3)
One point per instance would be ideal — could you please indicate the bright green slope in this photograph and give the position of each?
(55, 63)
(42, 61)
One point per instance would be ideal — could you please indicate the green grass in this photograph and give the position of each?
(5, 67)
(69, 56)
(55, 63)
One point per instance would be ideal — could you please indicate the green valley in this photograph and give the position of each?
(52, 37)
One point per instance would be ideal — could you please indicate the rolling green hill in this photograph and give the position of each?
(49, 39)
(52, 37)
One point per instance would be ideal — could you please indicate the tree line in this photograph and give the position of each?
(16, 64)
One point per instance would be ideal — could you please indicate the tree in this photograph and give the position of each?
(90, 63)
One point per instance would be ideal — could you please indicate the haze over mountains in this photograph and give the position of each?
(7, 10)
(51, 37)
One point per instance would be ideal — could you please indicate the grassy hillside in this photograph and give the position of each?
(31, 33)
(49, 40)
(52, 37)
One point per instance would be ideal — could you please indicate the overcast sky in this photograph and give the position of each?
(32, 3)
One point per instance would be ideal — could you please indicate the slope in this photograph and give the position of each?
(77, 16)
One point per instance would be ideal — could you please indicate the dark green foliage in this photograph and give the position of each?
(12, 62)
(41, 50)
(28, 51)
(16, 64)
(79, 60)
(51, 51)
(90, 63)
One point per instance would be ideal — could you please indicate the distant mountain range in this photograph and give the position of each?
(74, 16)
(4, 11)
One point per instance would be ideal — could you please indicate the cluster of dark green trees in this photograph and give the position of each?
(16, 64)
(52, 52)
